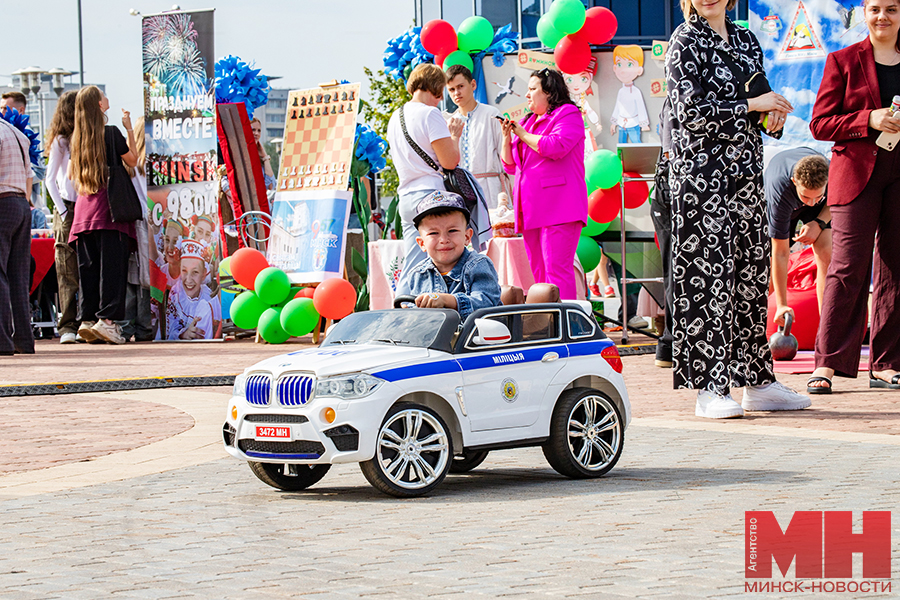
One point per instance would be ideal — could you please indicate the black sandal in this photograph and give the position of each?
(893, 384)
(818, 389)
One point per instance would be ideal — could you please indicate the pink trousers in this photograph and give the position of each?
(551, 253)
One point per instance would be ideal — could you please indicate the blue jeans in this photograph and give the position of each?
(631, 135)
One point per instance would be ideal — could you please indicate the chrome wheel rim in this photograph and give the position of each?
(413, 449)
(594, 432)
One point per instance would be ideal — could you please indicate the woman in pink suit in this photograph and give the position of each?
(546, 152)
(851, 110)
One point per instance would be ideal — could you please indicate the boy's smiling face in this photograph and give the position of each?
(443, 238)
(203, 232)
(193, 272)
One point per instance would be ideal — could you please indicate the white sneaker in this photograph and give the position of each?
(715, 406)
(773, 396)
(67, 338)
(110, 332)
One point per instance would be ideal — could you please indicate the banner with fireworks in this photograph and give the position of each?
(180, 143)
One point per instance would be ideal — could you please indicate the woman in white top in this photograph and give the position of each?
(63, 194)
(428, 129)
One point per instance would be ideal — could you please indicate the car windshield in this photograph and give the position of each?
(406, 328)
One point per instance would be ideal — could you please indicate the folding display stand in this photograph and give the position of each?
(636, 158)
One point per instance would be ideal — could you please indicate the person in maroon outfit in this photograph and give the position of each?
(858, 84)
(102, 245)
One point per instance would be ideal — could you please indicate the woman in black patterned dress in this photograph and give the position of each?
(720, 267)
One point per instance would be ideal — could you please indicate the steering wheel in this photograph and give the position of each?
(399, 301)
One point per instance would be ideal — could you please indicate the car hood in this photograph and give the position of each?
(337, 360)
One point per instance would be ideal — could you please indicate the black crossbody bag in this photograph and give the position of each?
(455, 180)
(124, 205)
(753, 86)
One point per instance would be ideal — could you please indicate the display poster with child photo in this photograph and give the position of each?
(182, 217)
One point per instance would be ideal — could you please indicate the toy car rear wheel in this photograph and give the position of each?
(290, 478)
(586, 434)
(413, 452)
(465, 462)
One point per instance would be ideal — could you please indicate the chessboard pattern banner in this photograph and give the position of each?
(180, 141)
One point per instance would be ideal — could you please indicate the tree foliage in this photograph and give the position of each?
(388, 95)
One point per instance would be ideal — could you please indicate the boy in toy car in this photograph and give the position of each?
(452, 276)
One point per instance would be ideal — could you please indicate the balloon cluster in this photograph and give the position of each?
(570, 30)
(237, 82)
(274, 308)
(20, 122)
(404, 53)
(451, 47)
(370, 147)
(603, 171)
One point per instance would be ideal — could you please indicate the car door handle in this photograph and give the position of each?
(550, 357)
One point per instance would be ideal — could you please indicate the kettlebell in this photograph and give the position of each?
(782, 344)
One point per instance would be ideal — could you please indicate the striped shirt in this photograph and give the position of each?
(15, 168)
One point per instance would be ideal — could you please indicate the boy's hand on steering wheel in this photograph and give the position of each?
(436, 300)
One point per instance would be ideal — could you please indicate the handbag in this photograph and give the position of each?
(124, 205)
(751, 87)
(458, 180)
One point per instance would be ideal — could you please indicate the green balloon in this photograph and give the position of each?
(272, 285)
(475, 34)
(225, 267)
(567, 16)
(603, 169)
(270, 328)
(299, 317)
(593, 228)
(458, 57)
(589, 253)
(246, 310)
(547, 33)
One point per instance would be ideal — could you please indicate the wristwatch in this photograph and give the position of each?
(822, 224)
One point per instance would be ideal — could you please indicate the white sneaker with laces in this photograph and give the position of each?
(110, 332)
(715, 406)
(773, 396)
(67, 338)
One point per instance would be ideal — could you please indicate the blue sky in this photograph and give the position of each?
(304, 41)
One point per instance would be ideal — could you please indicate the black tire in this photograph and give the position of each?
(585, 423)
(467, 461)
(413, 452)
(301, 478)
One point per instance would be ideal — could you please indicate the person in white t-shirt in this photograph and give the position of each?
(434, 136)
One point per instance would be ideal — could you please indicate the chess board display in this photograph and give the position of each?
(319, 131)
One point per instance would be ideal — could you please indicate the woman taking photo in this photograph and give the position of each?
(63, 194)
(427, 128)
(103, 246)
(720, 244)
(851, 110)
(546, 152)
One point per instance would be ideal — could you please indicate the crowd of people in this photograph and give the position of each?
(725, 225)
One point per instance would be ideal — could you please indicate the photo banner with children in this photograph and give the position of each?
(312, 198)
(180, 141)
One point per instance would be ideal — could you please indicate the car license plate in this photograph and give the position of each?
(273, 433)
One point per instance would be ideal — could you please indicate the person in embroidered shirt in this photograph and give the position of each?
(452, 276)
(189, 311)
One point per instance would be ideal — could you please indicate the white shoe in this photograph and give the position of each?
(773, 396)
(715, 406)
(110, 332)
(67, 338)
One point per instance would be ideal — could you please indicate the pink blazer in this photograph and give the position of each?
(848, 93)
(550, 188)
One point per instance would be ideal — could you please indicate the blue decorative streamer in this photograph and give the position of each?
(20, 122)
(504, 41)
(370, 147)
(404, 53)
(237, 82)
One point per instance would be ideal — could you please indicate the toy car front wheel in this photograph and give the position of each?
(413, 452)
(467, 461)
(586, 434)
(290, 478)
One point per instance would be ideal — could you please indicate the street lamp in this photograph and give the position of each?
(58, 84)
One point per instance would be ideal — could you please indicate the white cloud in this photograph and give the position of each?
(798, 97)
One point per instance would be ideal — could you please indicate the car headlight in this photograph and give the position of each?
(348, 387)
(239, 383)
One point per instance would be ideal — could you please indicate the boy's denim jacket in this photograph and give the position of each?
(473, 282)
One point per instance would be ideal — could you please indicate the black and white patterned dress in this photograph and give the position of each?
(720, 266)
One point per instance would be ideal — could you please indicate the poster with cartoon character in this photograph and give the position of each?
(583, 92)
(629, 116)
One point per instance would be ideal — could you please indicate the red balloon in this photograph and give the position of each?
(636, 192)
(600, 25)
(572, 54)
(335, 298)
(246, 264)
(439, 37)
(605, 205)
(306, 292)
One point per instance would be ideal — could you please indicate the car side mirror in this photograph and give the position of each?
(490, 333)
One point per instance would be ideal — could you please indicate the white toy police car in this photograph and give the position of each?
(411, 396)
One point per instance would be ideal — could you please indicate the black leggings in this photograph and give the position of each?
(103, 271)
